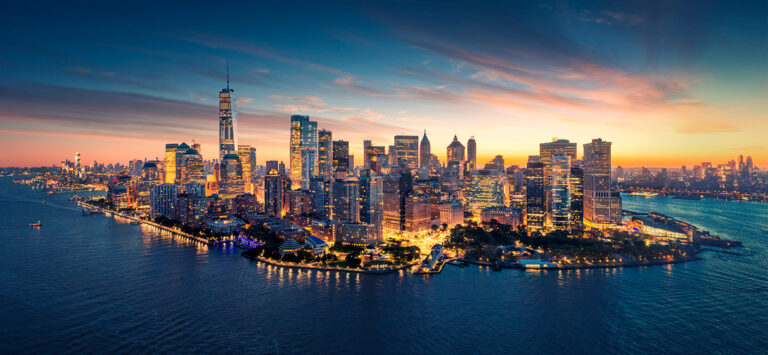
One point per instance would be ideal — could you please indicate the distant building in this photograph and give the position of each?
(455, 152)
(163, 199)
(231, 182)
(346, 203)
(452, 213)
(576, 188)
(535, 207)
(227, 121)
(407, 152)
(325, 154)
(472, 154)
(425, 155)
(602, 206)
(560, 208)
(273, 194)
(487, 189)
(417, 213)
(341, 156)
(303, 151)
(504, 215)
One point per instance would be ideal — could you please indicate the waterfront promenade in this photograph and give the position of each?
(175, 231)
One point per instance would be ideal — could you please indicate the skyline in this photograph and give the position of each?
(691, 91)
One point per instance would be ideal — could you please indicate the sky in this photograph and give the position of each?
(668, 82)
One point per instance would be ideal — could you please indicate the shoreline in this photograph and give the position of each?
(150, 223)
(325, 268)
(584, 266)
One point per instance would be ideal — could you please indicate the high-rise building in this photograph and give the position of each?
(191, 168)
(340, 156)
(455, 152)
(372, 201)
(576, 187)
(560, 211)
(231, 182)
(181, 150)
(472, 153)
(602, 207)
(247, 155)
(407, 151)
(227, 121)
(163, 199)
(416, 210)
(546, 151)
(392, 211)
(375, 156)
(170, 163)
(346, 203)
(273, 193)
(487, 189)
(303, 151)
(425, 155)
(535, 204)
(325, 153)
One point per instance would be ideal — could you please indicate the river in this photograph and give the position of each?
(98, 284)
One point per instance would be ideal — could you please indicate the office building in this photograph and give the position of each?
(227, 121)
(303, 151)
(407, 152)
(535, 206)
(325, 154)
(560, 208)
(602, 206)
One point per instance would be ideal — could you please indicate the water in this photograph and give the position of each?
(97, 284)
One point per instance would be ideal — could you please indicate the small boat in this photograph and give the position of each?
(36, 224)
(43, 202)
(135, 222)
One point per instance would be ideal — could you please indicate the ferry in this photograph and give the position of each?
(36, 224)
(644, 193)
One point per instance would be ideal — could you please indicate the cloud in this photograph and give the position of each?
(244, 100)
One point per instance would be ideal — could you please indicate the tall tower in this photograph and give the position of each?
(325, 153)
(602, 206)
(303, 151)
(472, 153)
(407, 151)
(227, 121)
(425, 154)
(560, 210)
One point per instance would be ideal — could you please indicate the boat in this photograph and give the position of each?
(43, 202)
(87, 212)
(36, 224)
(135, 222)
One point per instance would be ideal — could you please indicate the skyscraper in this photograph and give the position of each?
(170, 163)
(560, 211)
(231, 182)
(455, 152)
(346, 202)
(303, 151)
(340, 156)
(535, 206)
(325, 154)
(247, 155)
(487, 189)
(576, 187)
(472, 153)
(227, 121)
(192, 169)
(273, 193)
(425, 154)
(407, 151)
(602, 207)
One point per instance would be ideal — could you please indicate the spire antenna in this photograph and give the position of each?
(227, 75)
